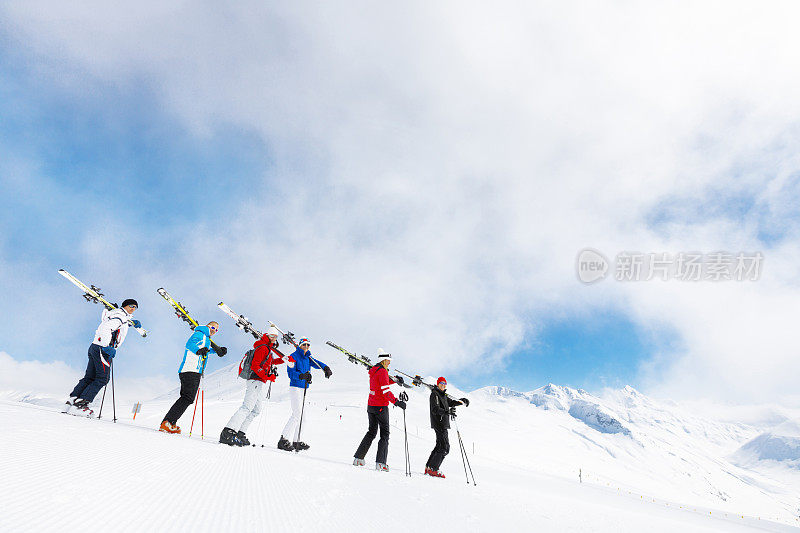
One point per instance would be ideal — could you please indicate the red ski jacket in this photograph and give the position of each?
(264, 359)
(379, 381)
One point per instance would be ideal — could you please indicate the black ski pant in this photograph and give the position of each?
(97, 373)
(441, 449)
(378, 417)
(190, 382)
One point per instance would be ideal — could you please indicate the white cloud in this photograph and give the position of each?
(57, 379)
(34, 376)
(440, 166)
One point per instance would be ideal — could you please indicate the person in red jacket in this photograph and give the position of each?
(265, 358)
(378, 412)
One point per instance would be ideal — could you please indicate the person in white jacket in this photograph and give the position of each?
(109, 336)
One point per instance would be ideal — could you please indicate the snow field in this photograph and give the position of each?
(65, 473)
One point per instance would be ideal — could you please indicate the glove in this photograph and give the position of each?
(465, 401)
(221, 351)
(328, 372)
(452, 412)
(401, 404)
(136, 324)
(399, 380)
(109, 351)
(305, 376)
(202, 352)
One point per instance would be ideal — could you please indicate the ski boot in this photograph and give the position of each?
(69, 404)
(82, 408)
(383, 467)
(358, 462)
(284, 444)
(169, 427)
(300, 446)
(228, 436)
(242, 438)
(430, 471)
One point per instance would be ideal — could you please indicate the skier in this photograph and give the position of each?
(266, 356)
(109, 336)
(299, 380)
(191, 370)
(378, 412)
(442, 408)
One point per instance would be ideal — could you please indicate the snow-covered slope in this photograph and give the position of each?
(629, 440)
(781, 444)
(645, 465)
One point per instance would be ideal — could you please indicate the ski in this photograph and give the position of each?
(364, 361)
(93, 294)
(418, 382)
(182, 313)
(241, 321)
(288, 338)
(353, 358)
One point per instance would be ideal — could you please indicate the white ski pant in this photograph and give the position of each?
(291, 431)
(251, 406)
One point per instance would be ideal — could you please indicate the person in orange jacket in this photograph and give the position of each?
(265, 358)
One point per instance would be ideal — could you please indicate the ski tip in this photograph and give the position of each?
(220, 304)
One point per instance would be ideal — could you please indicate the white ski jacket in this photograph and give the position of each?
(112, 322)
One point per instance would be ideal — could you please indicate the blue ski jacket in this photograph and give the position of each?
(201, 338)
(302, 364)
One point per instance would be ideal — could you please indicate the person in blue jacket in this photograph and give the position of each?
(299, 380)
(191, 370)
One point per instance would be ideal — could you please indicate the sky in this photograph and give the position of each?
(419, 178)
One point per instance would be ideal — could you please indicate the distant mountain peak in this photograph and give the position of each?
(504, 392)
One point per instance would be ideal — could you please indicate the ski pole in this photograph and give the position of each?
(464, 457)
(404, 398)
(100, 414)
(261, 417)
(195, 410)
(405, 433)
(113, 397)
(202, 407)
(461, 449)
(302, 409)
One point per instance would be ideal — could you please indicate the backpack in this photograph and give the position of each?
(245, 370)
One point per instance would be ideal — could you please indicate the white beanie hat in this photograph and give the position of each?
(383, 354)
(272, 330)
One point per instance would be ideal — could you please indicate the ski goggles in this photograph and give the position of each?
(214, 328)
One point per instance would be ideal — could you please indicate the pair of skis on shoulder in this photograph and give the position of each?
(93, 294)
(364, 361)
(182, 313)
